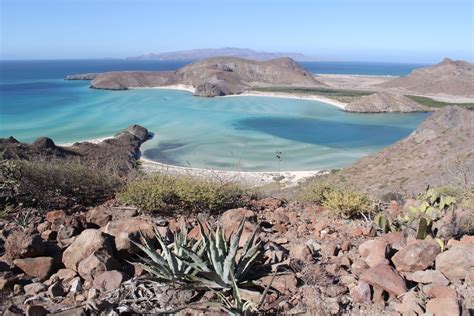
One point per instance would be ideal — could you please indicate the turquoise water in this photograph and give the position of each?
(230, 133)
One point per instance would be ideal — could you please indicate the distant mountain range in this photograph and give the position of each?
(197, 54)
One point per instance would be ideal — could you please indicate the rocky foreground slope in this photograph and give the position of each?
(448, 77)
(439, 152)
(385, 102)
(212, 77)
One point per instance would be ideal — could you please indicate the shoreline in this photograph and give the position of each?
(285, 95)
(251, 178)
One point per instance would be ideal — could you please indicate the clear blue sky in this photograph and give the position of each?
(374, 30)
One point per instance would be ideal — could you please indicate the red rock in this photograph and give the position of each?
(356, 232)
(300, 252)
(394, 209)
(8, 280)
(34, 288)
(466, 239)
(364, 248)
(427, 276)
(411, 305)
(361, 293)
(268, 203)
(368, 231)
(417, 256)
(377, 253)
(64, 275)
(108, 281)
(439, 291)
(43, 227)
(283, 283)
(54, 215)
(345, 246)
(396, 240)
(446, 306)
(88, 242)
(230, 221)
(385, 277)
(127, 230)
(22, 244)
(39, 267)
(97, 263)
(456, 263)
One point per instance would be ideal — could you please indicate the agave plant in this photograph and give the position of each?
(219, 267)
(238, 306)
(170, 264)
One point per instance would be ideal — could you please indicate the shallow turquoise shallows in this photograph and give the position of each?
(227, 133)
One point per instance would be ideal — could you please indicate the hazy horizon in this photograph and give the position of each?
(417, 31)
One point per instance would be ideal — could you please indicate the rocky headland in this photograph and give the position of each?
(449, 77)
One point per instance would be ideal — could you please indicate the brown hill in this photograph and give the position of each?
(385, 102)
(440, 152)
(214, 77)
(448, 77)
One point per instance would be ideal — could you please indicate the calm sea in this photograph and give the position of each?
(223, 133)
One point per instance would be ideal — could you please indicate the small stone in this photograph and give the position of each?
(396, 240)
(36, 310)
(39, 267)
(427, 276)
(345, 246)
(230, 221)
(56, 290)
(361, 293)
(364, 248)
(17, 289)
(54, 215)
(283, 283)
(97, 263)
(466, 239)
(42, 227)
(75, 285)
(411, 305)
(92, 294)
(49, 235)
(443, 306)
(329, 250)
(416, 256)
(34, 288)
(385, 277)
(108, 281)
(300, 252)
(65, 275)
(359, 266)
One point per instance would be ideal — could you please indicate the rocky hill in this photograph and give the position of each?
(198, 54)
(385, 102)
(213, 77)
(439, 152)
(448, 77)
(120, 152)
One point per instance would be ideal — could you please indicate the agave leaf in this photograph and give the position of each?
(153, 256)
(196, 261)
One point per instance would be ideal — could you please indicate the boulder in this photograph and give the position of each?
(51, 216)
(427, 276)
(39, 267)
(439, 291)
(97, 263)
(385, 277)
(126, 230)
(361, 293)
(417, 256)
(87, 243)
(456, 262)
(377, 253)
(411, 305)
(443, 306)
(24, 244)
(108, 281)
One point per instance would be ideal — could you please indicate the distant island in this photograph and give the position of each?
(198, 54)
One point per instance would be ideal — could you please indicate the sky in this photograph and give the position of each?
(354, 30)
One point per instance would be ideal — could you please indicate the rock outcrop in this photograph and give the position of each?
(122, 150)
(448, 77)
(439, 152)
(385, 102)
(213, 77)
(89, 76)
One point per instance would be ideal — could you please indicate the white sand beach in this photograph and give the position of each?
(182, 87)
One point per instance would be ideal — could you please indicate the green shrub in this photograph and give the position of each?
(347, 203)
(165, 191)
(60, 183)
(316, 192)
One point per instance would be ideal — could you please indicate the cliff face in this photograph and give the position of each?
(214, 77)
(448, 77)
(439, 152)
(385, 102)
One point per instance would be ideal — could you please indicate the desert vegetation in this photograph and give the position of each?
(438, 104)
(336, 94)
